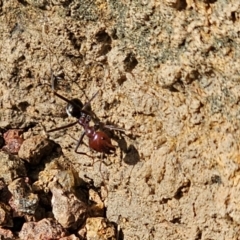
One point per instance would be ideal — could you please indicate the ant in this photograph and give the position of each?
(98, 140)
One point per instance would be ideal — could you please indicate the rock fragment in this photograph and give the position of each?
(11, 167)
(23, 200)
(13, 140)
(5, 215)
(44, 229)
(35, 148)
(6, 234)
(100, 228)
(67, 208)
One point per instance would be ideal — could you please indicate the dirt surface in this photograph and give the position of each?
(167, 72)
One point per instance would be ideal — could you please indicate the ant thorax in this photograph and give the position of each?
(84, 119)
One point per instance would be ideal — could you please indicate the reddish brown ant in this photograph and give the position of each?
(98, 140)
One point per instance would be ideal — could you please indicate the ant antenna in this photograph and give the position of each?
(86, 105)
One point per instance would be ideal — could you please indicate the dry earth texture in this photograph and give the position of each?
(167, 72)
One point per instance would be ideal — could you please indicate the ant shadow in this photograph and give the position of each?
(132, 156)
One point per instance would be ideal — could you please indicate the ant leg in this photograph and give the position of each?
(112, 127)
(79, 143)
(77, 140)
(66, 126)
(55, 92)
(85, 106)
(62, 97)
(101, 125)
(53, 81)
(100, 169)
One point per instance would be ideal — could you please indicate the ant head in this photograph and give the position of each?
(74, 108)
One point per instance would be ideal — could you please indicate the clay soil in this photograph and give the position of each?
(167, 72)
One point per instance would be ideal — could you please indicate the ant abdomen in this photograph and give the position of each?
(100, 142)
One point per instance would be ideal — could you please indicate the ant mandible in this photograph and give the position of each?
(98, 140)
